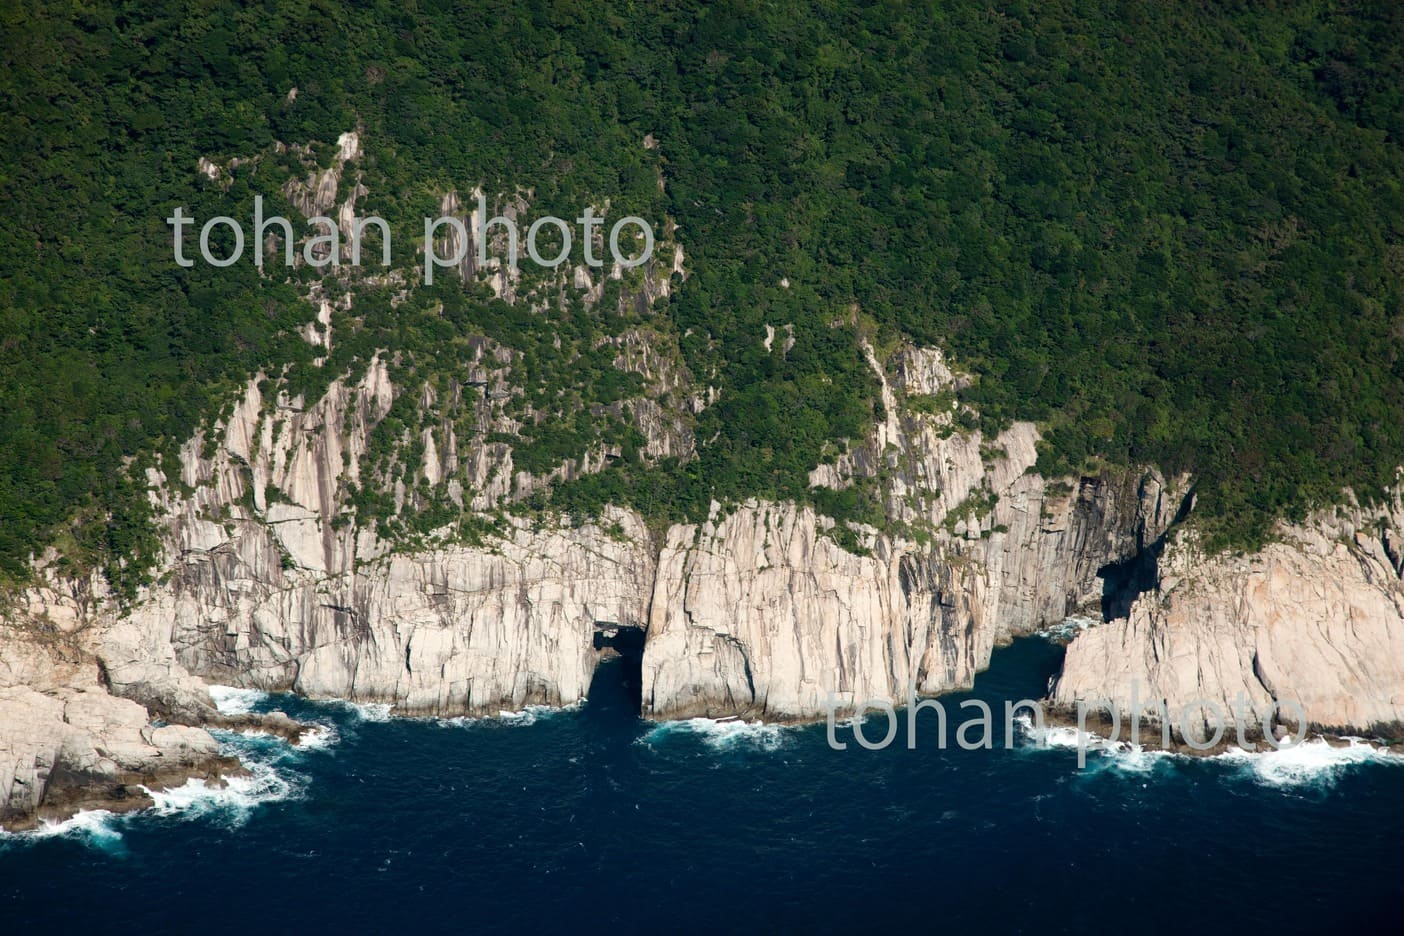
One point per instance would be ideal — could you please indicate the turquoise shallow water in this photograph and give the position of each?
(595, 820)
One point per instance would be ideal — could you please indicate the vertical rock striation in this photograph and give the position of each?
(269, 582)
(1313, 622)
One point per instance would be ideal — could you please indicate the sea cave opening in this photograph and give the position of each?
(617, 685)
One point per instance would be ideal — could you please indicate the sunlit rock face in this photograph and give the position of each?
(1314, 623)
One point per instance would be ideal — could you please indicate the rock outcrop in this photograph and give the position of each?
(66, 743)
(1313, 623)
(294, 559)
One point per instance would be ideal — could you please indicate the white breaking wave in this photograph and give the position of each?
(95, 827)
(523, 718)
(263, 756)
(317, 738)
(527, 716)
(364, 711)
(1121, 755)
(1067, 628)
(231, 700)
(722, 734)
(231, 804)
(1313, 761)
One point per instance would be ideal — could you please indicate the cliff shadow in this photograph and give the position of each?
(617, 685)
(1123, 582)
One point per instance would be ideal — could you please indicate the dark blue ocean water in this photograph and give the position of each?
(596, 821)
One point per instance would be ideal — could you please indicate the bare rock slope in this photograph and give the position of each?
(1312, 624)
(274, 578)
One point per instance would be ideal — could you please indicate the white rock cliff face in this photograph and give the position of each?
(269, 583)
(1312, 623)
(452, 631)
(761, 613)
(758, 611)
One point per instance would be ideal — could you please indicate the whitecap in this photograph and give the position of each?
(94, 827)
(231, 804)
(1066, 629)
(362, 711)
(529, 715)
(1315, 761)
(233, 700)
(1119, 755)
(722, 734)
(317, 738)
(522, 718)
(372, 711)
(1311, 762)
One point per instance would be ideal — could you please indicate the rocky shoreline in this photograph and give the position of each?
(1312, 624)
(757, 612)
(68, 793)
(67, 743)
(1101, 730)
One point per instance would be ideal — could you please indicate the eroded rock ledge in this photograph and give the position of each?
(67, 743)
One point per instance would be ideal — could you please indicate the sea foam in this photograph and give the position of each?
(362, 711)
(1118, 755)
(721, 734)
(1066, 629)
(96, 828)
(1312, 762)
(529, 715)
(232, 700)
(230, 805)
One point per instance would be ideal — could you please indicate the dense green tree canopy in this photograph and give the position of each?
(1172, 233)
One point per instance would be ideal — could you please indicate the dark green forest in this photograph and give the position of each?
(1171, 233)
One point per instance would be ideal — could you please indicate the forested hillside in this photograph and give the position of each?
(1170, 233)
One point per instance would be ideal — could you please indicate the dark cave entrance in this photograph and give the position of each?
(617, 685)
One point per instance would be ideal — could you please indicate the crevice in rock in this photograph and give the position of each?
(1125, 581)
(1392, 550)
(746, 664)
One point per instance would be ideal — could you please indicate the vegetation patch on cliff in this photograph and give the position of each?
(1171, 234)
